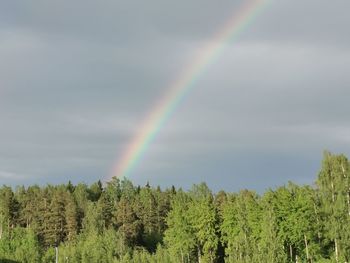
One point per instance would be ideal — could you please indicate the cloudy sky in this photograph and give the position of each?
(77, 78)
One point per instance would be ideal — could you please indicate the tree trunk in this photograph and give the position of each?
(318, 224)
(306, 249)
(349, 201)
(56, 249)
(291, 253)
(348, 194)
(336, 250)
(199, 255)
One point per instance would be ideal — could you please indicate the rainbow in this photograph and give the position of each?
(184, 84)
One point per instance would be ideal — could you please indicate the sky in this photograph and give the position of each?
(78, 78)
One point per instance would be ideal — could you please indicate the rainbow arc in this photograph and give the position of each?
(185, 82)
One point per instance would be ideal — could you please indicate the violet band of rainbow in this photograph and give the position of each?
(184, 83)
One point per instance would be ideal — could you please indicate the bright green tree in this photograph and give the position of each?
(179, 237)
(334, 192)
(204, 222)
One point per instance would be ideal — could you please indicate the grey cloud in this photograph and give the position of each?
(78, 78)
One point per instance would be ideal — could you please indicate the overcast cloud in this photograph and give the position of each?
(77, 78)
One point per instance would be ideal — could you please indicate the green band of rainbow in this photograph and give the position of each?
(184, 84)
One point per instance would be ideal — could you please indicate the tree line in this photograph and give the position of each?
(120, 222)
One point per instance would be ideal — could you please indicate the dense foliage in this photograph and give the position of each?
(119, 222)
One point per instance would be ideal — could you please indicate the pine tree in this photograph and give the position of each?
(204, 222)
(8, 209)
(113, 190)
(179, 237)
(163, 207)
(81, 197)
(28, 203)
(71, 217)
(95, 191)
(146, 210)
(127, 222)
(55, 231)
(106, 209)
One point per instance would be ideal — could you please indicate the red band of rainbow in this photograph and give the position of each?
(184, 84)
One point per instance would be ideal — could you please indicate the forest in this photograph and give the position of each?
(120, 222)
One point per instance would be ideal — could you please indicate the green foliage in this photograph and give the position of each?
(119, 222)
(49, 255)
(179, 237)
(204, 222)
(21, 245)
(241, 228)
(334, 193)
